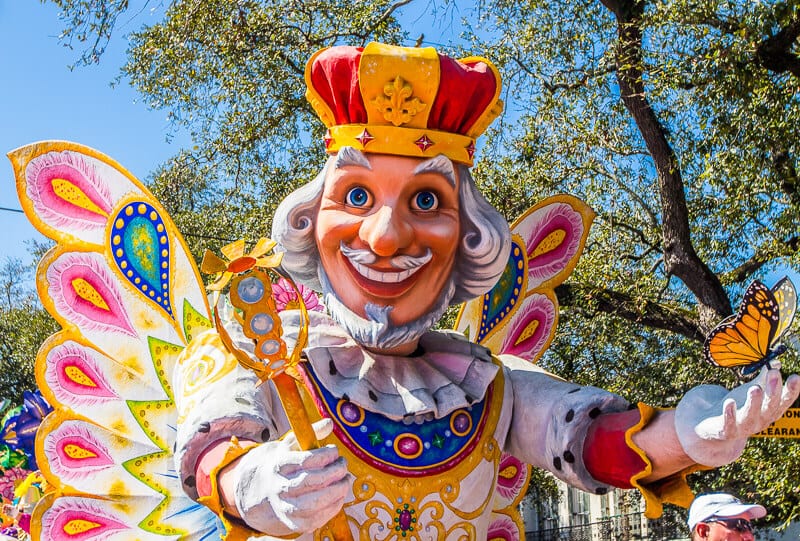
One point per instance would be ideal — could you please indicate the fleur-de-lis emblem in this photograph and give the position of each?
(397, 105)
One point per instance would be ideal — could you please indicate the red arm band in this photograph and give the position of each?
(606, 453)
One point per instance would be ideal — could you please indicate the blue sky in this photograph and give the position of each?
(40, 99)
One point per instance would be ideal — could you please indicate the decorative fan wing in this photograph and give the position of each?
(125, 290)
(520, 314)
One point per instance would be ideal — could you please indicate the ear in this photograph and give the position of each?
(702, 530)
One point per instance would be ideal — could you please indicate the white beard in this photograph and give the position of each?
(375, 331)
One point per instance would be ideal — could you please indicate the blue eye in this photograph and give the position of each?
(357, 197)
(425, 200)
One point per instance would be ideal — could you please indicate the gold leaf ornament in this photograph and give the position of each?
(238, 261)
(397, 105)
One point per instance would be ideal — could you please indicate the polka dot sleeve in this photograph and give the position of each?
(550, 421)
(217, 399)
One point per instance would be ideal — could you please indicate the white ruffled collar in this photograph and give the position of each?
(446, 373)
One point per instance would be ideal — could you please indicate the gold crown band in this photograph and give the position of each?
(396, 140)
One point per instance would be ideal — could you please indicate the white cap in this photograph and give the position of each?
(721, 505)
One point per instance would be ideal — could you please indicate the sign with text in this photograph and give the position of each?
(787, 426)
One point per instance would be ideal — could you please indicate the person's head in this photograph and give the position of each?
(721, 517)
(394, 230)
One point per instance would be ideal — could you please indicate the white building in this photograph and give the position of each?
(616, 516)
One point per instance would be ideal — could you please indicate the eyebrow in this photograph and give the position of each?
(348, 156)
(440, 165)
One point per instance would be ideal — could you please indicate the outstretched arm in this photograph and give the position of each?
(711, 425)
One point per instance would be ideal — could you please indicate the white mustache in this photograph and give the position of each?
(360, 258)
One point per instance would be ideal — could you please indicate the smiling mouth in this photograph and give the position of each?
(384, 284)
(398, 277)
(392, 277)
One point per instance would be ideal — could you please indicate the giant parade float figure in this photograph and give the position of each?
(180, 418)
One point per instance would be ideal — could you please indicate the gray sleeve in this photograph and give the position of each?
(217, 398)
(550, 420)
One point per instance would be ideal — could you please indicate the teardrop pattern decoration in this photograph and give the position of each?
(531, 330)
(67, 192)
(511, 477)
(79, 519)
(504, 528)
(141, 249)
(73, 375)
(503, 298)
(75, 453)
(85, 294)
(558, 233)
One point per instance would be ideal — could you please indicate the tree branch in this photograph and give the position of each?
(680, 258)
(635, 231)
(651, 314)
(651, 215)
(761, 258)
(774, 53)
(552, 87)
(386, 14)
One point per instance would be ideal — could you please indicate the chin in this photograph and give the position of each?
(377, 329)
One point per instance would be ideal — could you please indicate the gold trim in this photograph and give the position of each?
(235, 530)
(400, 141)
(672, 489)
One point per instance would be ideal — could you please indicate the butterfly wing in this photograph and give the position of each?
(745, 338)
(786, 297)
(519, 314)
(126, 292)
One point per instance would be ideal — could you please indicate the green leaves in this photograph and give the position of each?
(24, 325)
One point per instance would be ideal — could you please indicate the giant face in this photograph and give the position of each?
(387, 232)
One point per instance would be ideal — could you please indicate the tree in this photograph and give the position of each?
(24, 325)
(677, 120)
(231, 73)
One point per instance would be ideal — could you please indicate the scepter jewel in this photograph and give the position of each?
(251, 296)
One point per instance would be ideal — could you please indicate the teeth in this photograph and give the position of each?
(384, 277)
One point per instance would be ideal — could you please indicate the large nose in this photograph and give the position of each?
(386, 232)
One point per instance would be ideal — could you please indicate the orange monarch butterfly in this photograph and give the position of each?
(750, 339)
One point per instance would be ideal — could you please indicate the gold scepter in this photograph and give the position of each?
(251, 295)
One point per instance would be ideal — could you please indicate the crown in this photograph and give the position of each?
(405, 101)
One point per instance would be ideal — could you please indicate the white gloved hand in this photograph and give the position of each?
(280, 489)
(713, 424)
